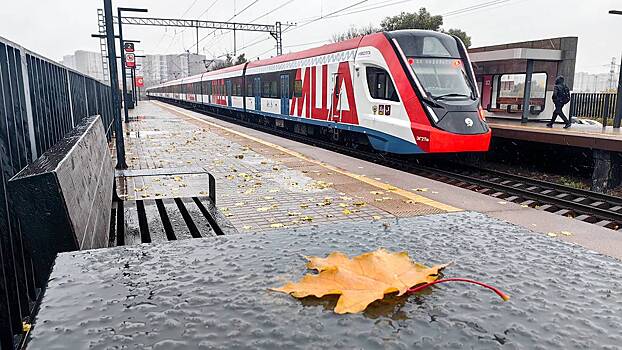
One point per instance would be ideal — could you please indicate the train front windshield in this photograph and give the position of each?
(438, 65)
(442, 78)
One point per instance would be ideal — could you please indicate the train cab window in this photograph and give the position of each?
(380, 84)
(298, 88)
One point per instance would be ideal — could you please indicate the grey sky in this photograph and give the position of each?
(57, 28)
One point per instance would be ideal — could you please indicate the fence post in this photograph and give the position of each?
(606, 111)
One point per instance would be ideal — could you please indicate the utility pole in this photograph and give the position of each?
(134, 85)
(114, 86)
(120, 10)
(618, 118)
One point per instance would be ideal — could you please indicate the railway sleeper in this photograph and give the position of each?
(548, 207)
(529, 203)
(599, 204)
(587, 218)
(565, 212)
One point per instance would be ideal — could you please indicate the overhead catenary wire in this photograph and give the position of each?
(287, 2)
(309, 22)
(232, 17)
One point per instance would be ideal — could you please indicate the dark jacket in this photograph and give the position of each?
(561, 93)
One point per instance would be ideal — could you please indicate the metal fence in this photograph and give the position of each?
(592, 105)
(40, 101)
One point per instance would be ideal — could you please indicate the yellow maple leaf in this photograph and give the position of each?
(362, 279)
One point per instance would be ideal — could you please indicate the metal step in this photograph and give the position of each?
(160, 220)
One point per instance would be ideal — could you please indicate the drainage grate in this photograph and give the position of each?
(167, 219)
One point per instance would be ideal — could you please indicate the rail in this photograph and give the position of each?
(593, 105)
(40, 101)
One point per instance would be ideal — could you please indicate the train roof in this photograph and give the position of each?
(313, 52)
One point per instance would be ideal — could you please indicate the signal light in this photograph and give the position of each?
(457, 63)
(411, 61)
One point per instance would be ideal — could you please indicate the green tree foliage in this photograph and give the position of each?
(241, 59)
(462, 35)
(415, 20)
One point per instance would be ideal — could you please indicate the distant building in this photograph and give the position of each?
(89, 63)
(603, 82)
(157, 69)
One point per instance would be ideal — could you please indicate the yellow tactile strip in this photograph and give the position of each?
(417, 199)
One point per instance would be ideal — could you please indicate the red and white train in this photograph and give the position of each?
(405, 92)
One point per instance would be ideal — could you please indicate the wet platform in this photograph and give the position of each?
(213, 293)
(259, 187)
(583, 136)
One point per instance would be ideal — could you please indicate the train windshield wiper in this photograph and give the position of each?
(432, 103)
(441, 97)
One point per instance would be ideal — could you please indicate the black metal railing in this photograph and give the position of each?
(600, 106)
(40, 101)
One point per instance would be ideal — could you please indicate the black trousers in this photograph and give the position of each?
(559, 112)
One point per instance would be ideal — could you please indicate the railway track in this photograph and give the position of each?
(592, 207)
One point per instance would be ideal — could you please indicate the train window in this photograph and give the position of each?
(298, 88)
(265, 92)
(274, 92)
(249, 89)
(380, 85)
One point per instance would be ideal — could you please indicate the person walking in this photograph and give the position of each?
(561, 96)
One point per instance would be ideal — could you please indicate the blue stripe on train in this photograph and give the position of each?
(380, 141)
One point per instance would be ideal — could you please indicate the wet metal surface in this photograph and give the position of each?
(258, 187)
(167, 219)
(212, 293)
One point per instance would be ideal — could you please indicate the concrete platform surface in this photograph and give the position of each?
(447, 196)
(212, 293)
(259, 186)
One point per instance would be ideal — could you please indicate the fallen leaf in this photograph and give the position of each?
(566, 233)
(347, 212)
(307, 218)
(361, 280)
(420, 189)
(552, 234)
(376, 217)
(277, 225)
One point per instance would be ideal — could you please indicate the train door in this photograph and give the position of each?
(336, 103)
(257, 91)
(285, 94)
(228, 83)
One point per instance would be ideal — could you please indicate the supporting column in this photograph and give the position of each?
(618, 118)
(197, 28)
(527, 92)
(123, 77)
(607, 170)
(114, 86)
